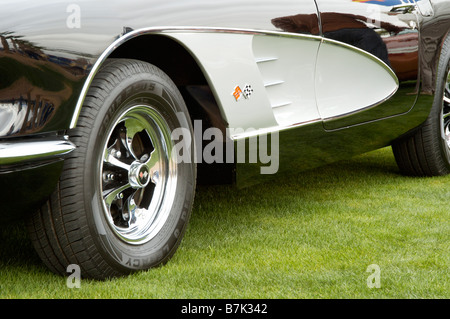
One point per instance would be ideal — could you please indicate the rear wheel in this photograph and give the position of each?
(427, 151)
(124, 198)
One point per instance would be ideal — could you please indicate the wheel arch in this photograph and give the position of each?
(165, 53)
(174, 59)
(153, 47)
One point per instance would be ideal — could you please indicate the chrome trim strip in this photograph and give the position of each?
(161, 30)
(270, 130)
(263, 60)
(34, 149)
(275, 106)
(341, 116)
(269, 84)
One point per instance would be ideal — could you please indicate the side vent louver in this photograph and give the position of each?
(271, 85)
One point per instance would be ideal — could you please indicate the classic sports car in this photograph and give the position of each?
(112, 111)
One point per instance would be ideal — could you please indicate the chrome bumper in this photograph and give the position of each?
(34, 149)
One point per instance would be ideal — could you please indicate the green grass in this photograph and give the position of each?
(307, 235)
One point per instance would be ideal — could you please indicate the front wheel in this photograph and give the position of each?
(124, 199)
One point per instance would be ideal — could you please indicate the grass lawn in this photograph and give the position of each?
(307, 235)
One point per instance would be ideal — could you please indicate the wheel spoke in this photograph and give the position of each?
(127, 143)
(446, 108)
(110, 158)
(447, 100)
(109, 196)
(446, 115)
(447, 134)
(131, 210)
(132, 127)
(154, 165)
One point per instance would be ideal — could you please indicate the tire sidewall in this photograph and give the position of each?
(438, 106)
(150, 90)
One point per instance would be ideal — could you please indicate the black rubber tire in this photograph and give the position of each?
(71, 228)
(426, 153)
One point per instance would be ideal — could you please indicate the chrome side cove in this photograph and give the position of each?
(35, 149)
(372, 81)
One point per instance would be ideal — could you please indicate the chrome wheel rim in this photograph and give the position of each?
(446, 113)
(138, 175)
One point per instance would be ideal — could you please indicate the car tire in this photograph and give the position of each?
(124, 198)
(427, 151)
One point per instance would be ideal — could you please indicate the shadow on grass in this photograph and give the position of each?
(224, 207)
(375, 167)
(16, 249)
